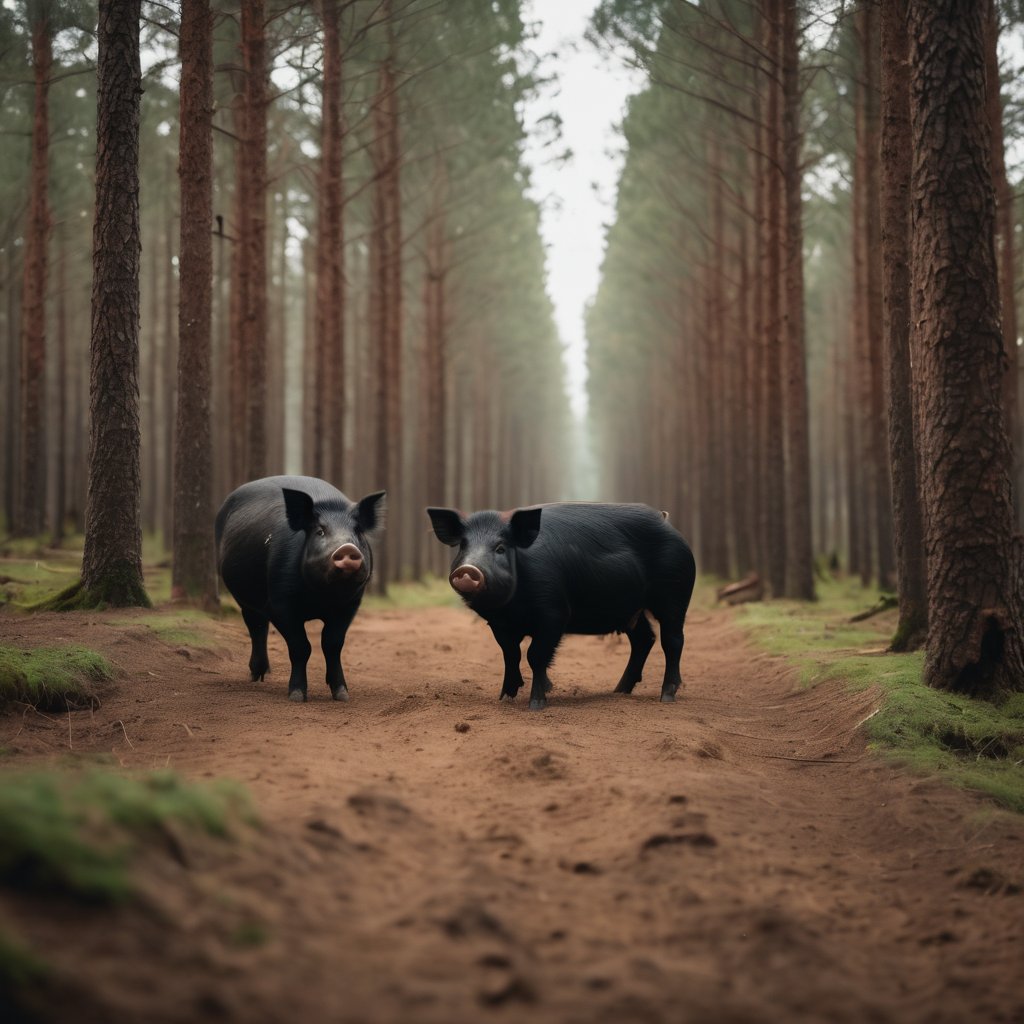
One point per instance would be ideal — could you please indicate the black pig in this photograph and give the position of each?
(574, 567)
(291, 549)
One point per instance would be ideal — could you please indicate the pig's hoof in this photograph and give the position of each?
(299, 696)
(668, 698)
(624, 688)
(538, 705)
(341, 693)
(507, 696)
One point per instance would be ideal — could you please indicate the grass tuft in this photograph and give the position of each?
(973, 743)
(52, 678)
(75, 834)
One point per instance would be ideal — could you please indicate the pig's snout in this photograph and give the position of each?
(347, 559)
(467, 579)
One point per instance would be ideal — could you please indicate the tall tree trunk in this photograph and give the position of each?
(1005, 245)
(238, 369)
(33, 295)
(975, 640)
(775, 463)
(254, 243)
(387, 274)
(112, 561)
(193, 574)
(799, 554)
(330, 312)
(60, 497)
(896, 159)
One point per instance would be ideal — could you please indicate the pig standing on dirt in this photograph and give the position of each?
(574, 567)
(291, 549)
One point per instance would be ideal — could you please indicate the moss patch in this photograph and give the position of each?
(973, 743)
(76, 834)
(432, 592)
(52, 677)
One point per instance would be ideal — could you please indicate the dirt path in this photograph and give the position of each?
(432, 855)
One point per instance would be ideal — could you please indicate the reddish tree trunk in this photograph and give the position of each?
(193, 573)
(975, 641)
(775, 464)
(896, 159)
(33, 295)
(799, 554)
(112, 560)
(253, 243)
(1005, 247)
(329, 436)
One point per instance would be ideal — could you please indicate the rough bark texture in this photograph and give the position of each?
(193, 575)
(880, 490)
(775, 463)
(896, 157)
(112, 561)
(1005, 247)
(329, 411)
(386, 271)
(254, 242)
(974, 641)
(800, 557)
(33, 296)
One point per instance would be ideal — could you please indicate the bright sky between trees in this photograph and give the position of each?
(577, 195)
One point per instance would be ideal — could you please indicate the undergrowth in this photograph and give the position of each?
(76, 834)
(53, 678)
(973, 743)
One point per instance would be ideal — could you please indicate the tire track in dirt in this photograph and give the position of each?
(433, 855)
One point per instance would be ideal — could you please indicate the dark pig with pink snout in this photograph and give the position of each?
(572, 567)
(291, 549)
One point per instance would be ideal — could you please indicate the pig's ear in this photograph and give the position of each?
(370, 512)
(298, 507)
(448, 525)
(524, 526)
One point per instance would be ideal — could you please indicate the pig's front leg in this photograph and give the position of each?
(509, 642)
(332, 640)
(293, 629)
(540, 654)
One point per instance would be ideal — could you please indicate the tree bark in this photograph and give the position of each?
(799, 553)
(33, 296)
(329, 431)
(254, 242)
(193, 574)
(896, 159)
(112, 560)
(775, 462)
(975, 643)
(1005, 245)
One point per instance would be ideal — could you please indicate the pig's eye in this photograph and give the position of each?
(500, 549)
(320, 531)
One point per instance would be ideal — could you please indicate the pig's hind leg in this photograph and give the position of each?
(641, 640)
(670, 620)
(258, 625)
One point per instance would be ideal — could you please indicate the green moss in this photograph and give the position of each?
(973, 743)
(18, 966)
(432, 592)
(52, 677)
(249, 935)
(175, 627)
(76, 834)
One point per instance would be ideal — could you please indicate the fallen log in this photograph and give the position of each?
(750, 588)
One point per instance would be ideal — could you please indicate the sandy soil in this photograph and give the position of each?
(431, 855)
